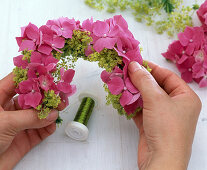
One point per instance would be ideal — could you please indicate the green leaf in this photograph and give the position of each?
(168, 6)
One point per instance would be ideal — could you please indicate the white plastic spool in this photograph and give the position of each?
(76, 130)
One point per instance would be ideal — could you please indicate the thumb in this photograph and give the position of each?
(28, 119)
(144, 82)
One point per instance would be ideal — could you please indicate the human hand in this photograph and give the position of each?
(168, 120)
(20, 130)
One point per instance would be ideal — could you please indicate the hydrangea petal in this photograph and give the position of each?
(27, 45)
(116, 85)
(126, 97)
(33, 99)
(19, 62)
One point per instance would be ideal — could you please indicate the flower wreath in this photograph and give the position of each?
(44, 71)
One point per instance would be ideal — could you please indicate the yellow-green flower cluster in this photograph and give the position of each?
(174, 16)
(20, 75)
(107, 59)
(50, 101)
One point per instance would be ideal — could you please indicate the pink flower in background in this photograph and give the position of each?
(186, 69)
(29, 94)
(202, 13)
(203, 82)
(31, 37)
(192, 38)
(63, 26)
(176, 53)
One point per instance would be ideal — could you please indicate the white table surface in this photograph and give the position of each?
(112, 142)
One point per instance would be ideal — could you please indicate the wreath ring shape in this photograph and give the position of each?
(45, 68)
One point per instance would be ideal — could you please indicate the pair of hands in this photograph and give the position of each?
(166, 124)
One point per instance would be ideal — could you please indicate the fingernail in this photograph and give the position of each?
(134, 66)
(52, 115)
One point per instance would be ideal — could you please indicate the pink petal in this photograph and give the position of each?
(130, 86)
(116, 85)
(45, 49)
(105, 76)
(68, 75)
(33, 99)
(126, 98)
(187, 76)
(203, 82)
(19, 62)
(59, 42)
(100, 28)
(27, 45)
(32, 32)
(102, 43)
(135, 98)
(19, 40)
(64, 87)
(25, 86)
(21, 102)
(36, 57)
(132, 107)
(182, 59)
(190, 49)
(88, 24)
(51, 59)
(119, 20)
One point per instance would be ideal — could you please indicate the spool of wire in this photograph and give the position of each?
(77, 129)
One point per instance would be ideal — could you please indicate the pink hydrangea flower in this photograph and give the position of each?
(46, 82)
(202, 13)
(176, 53)
(128, 48)
(106, 36)
(116, 84)
(29, 94)
(192, 38)
(63, 26)
(186, 69)
(50, 41)
(31, 37)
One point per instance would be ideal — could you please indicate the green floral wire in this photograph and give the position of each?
(85, 110)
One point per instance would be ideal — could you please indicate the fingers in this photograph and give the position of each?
(28, 119)
(169, 81)
(144, 82)
(7, 89)
(38, 135)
